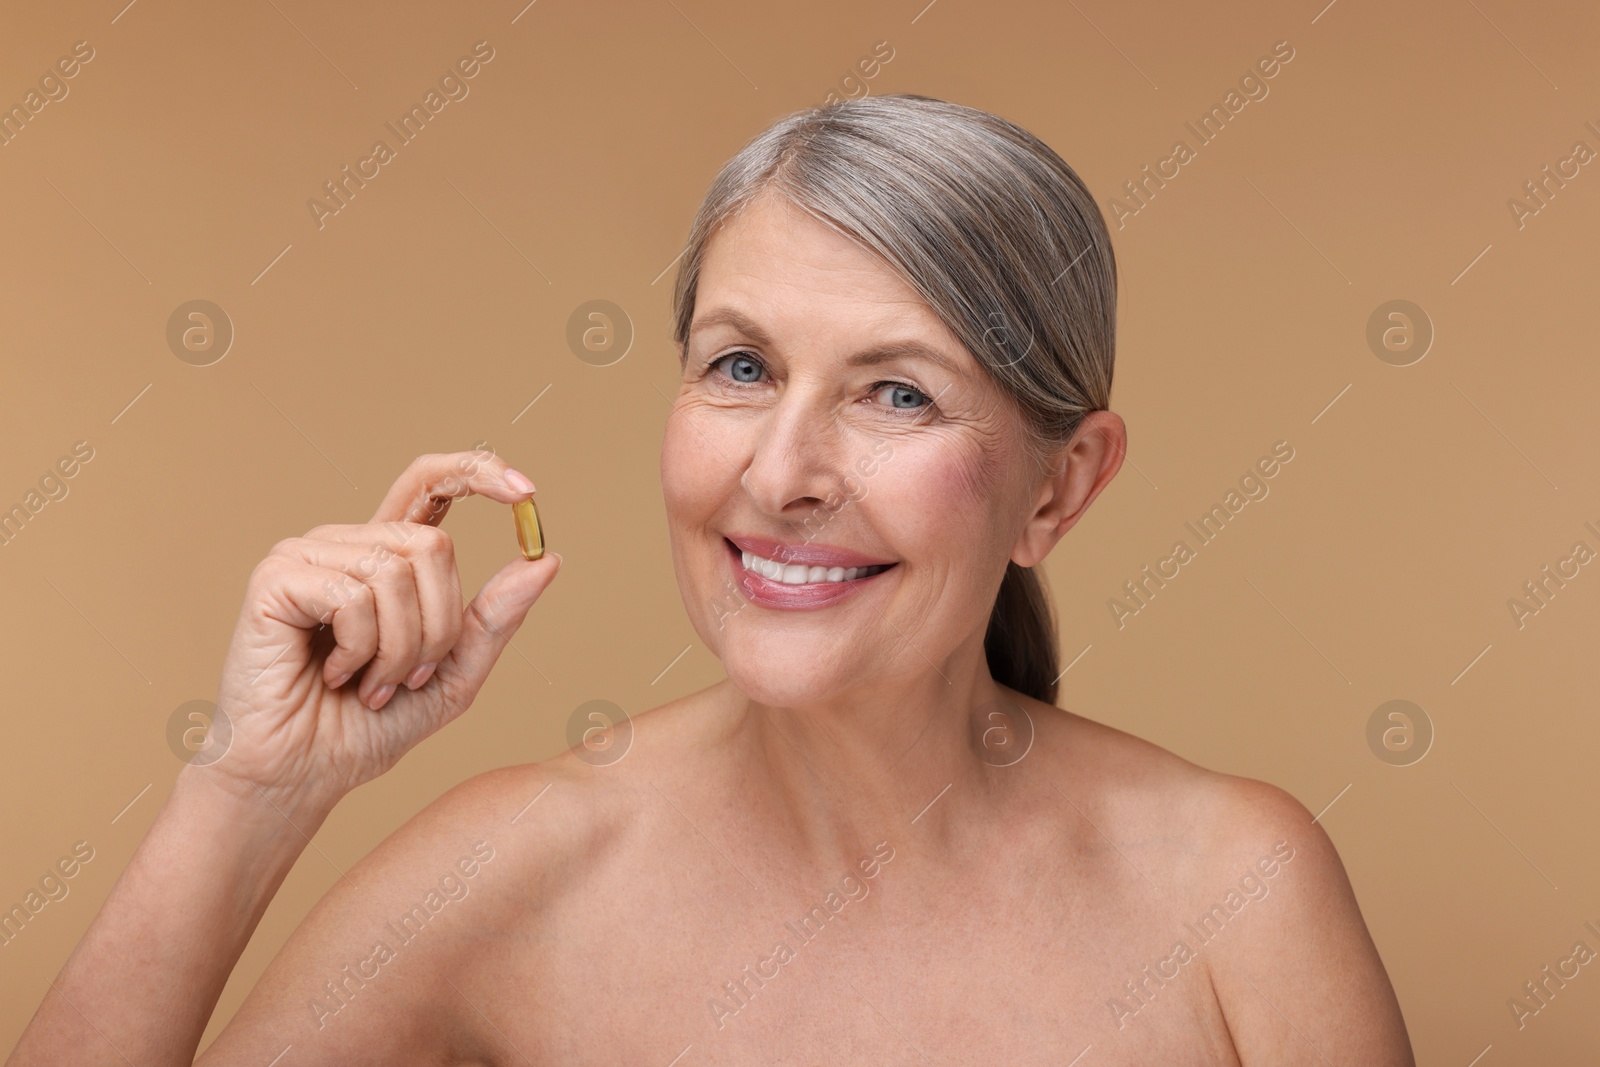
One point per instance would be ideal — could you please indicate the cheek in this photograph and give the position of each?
(691, 468)
(943, 495)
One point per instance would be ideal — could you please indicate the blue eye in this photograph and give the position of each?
(741, 366)
(745, 369)
(916, 398)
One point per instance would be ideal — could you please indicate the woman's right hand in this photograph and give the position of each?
(327, 682)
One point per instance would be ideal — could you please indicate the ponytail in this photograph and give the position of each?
(1020, 644)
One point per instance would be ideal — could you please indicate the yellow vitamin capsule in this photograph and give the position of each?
(530, 535)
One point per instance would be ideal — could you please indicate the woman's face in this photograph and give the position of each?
(827, 418)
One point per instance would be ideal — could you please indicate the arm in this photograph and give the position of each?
(382, 968)
(170, 932)
(377, 606)
(1302, 982)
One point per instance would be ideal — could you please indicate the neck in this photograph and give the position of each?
(895, 757)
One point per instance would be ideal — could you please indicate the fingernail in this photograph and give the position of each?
(419, 675)
(518, 482)
(343, 678)
(380, 696)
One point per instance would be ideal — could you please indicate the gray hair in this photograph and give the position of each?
(1002, 240)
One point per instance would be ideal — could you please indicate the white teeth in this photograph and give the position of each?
(799, 573)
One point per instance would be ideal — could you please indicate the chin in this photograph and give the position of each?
(782, 676)
(778, 691)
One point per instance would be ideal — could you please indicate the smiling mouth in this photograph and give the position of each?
(800, 573)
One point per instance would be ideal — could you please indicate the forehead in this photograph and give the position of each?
(782, 266)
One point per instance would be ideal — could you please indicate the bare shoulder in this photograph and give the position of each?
(559, 822)
(1189, 820)
(1258, 888)
(370, 970)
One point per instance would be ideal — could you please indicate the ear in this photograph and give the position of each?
(1081, 468)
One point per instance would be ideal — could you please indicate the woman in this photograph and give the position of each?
(878, 840)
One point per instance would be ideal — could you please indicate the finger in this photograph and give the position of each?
(423, 492)
(388, 575)
(431, 554)
(487, 625)
(287, 590)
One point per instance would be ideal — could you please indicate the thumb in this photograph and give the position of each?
(488, 624)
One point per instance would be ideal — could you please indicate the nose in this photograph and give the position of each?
(795, 459)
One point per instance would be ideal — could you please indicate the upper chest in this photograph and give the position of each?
(686, 956)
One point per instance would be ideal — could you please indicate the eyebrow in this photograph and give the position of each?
(882, 353)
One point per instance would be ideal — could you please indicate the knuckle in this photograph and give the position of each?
(266, 569)
(288, 546)
(433, 545)
(361, 596)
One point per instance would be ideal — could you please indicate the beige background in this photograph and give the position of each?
(431, 311)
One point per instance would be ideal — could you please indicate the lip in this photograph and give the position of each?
(761, 590)
(812, 555)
